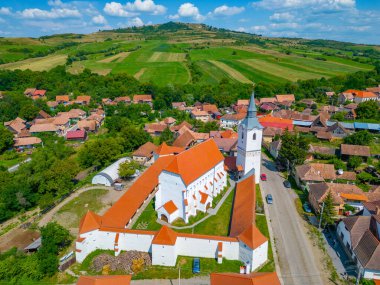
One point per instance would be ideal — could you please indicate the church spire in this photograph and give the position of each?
(251, 120)
(252, 111)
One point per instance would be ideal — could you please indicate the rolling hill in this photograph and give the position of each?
(178, 53)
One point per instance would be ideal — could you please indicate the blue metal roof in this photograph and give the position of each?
(367, 126)
(302, 123)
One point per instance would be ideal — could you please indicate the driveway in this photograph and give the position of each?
(297, 258)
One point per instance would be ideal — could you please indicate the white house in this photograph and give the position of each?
(231, 120)
(249, 142)
(110, 174)
(190, 182)
(360, 238)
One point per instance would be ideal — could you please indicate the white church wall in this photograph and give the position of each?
(139, 242)
(259, 256)
(164, 255)
(207, 248)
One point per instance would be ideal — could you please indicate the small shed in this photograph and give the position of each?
(34, 246)
(109, 175)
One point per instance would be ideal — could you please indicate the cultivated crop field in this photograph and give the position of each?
(172, 60)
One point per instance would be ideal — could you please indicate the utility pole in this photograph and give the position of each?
(320, 219)
(358, 277)
(179, 275)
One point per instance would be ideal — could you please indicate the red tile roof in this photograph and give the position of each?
(165, 149)
(105, 280)
(269, 121)
(264, 278)
(286, 97)
(196, 161)
(89, 222)
(144, 98)
(78, 134)
(365, 94)
(170, 207)
(252, 237)
(146, 150)
(24, 141)
(243, 213)
(125, 208)
(63, 98)
(39, 93)
(165, 236)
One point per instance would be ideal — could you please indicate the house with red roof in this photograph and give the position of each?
(363, 96)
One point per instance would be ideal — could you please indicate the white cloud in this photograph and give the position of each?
(188, 10)
(116, 9)
(329, 5)
(5, 11)
(282, 17)
(225, 10)
(132, 9)
(55, 13)
(135, 22)
(99, 20)
(55, 3)
(146, 6)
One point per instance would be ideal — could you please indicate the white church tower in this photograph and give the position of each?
(249, 142)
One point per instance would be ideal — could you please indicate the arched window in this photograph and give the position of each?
(254, 136)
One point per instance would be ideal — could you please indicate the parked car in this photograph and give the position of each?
(306, 207)
(263, 177)
(287, 184)
(196, 265)
(269, 199)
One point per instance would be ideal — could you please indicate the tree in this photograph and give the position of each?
(293, 148)
(368, 110)
(167, 136)
(359, 138)
(6, 139)
(338, 164)
(134, 137)
(328, 213)
(354, 162)
(128, 168)
(29, 112)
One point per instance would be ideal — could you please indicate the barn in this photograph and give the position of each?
(109, 175)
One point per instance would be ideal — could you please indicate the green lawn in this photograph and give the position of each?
(147, 219)
(10, 162)
(70, 214)
(208, 265)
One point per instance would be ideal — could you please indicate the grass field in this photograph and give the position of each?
(37, 64)
(70, 214)
(162, 61)
(231, 72)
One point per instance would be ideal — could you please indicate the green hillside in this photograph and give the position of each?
(177, 53)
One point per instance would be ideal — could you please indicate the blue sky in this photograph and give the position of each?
(345, 20)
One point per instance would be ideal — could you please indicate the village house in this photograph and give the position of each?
(286, 98)
(227, 146)
(179, 105)
(188, 138)
(363, 96)
(144, 154)
(371, 208)
(272, 100)
(269, 107)
(77, 135)
(108, 102)
(375, 90)
(52, 105)
(359, 236)
(329, 109)
(16, 126)
(226, 134)
(341, 193)
(155, 129)
(176, 128)
(88, 125)
(270, 133)
(200, 115)
(232, 120)
(275, 122)
(62, 99)
(347, 150)
(83, 100)
(44, 128)
(26, 142)
(124, 99)
(35, 93)
(347, 96)
(319, 172)
(274, 148)
(42, 115)
(143, 99)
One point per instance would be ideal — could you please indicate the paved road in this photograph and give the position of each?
(191, 281)
(297, 263)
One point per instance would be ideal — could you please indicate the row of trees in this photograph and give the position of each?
(19, 268)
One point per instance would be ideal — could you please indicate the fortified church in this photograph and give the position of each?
(184, 182)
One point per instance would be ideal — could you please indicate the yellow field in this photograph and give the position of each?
(230, 71)
(37, 64)
(139, 73)
(117, 57)
(167, 57)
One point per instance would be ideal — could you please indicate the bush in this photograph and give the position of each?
(338, 164)
(354, 162)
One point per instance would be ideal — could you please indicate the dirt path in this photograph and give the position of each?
(139, 73)
(49, 215)
(117, 57)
